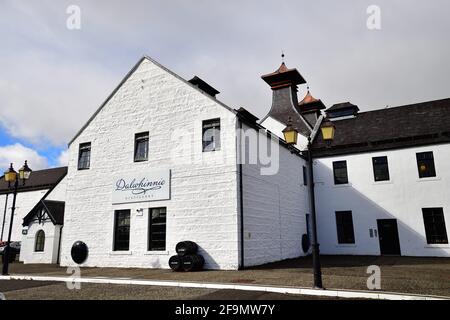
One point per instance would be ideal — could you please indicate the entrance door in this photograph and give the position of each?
(388, 236)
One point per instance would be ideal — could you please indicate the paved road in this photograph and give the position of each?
(38, 290)
(428, 276)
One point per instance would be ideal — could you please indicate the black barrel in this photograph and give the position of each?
(305, 243)
(192, 262)
(79, 252)
(175, 263)
(186, 247)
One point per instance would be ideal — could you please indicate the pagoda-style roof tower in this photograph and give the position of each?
(310, 108)
(283, 77)
(284, 82)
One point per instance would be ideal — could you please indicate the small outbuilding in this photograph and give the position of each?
(42, 233)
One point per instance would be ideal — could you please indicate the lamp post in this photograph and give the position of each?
(290, 136)
(13, 178)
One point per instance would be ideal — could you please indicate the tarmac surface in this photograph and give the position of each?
(424, 276)
(39, 290)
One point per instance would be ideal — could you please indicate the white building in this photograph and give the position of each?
(382, 186)
(35, 203)
(159, 163)
(163, 161)
(39, 186)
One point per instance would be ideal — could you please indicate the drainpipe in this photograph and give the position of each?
(59, 245)
(4, 216)
(241, 196)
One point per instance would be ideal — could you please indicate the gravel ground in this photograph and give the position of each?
(429, 276)
(36, 290)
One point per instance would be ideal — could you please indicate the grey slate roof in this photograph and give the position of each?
(39, 180)
(392, 128)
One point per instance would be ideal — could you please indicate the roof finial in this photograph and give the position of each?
(307, 87)
(282, 56)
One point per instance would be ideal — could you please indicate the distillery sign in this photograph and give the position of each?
(142, 186)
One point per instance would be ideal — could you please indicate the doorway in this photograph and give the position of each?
(388, 236)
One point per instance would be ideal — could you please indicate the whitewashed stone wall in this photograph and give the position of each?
(275, 208)
(25, 201)
(52, 234)
(203, 205)
(59, 191)
(50, 253)
(401, 198)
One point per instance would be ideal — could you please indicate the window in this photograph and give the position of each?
(211, 135)
(157, 229)
(344, 223)
(305, 176)
(40, 241)
(435, 230)
(141, 147)
(84, 156)
(425, 164)
(380, 168)
(122, 230)
(340, 172)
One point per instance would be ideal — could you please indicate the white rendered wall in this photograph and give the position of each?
(203, 204)
(59, 192)
(25, 201)
(275, 208)
(401, 198)
(52, 234)
(50, 253)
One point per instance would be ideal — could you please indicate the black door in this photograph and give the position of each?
(388, 235)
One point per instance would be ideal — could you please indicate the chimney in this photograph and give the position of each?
(205, 87)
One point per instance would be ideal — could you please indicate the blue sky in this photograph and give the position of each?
(52, 79)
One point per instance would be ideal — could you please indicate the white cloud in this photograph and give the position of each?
(59, 97)
(53, 79)
(17, 154)
(63, 159)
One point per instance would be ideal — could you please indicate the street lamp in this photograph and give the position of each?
(328, 130)
(13, 178)
(290, 136)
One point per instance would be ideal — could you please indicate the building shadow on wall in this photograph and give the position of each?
(367, 211)
(371, 211)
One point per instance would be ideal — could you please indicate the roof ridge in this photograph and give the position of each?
(127, 76)
(404, 106)
(56, 168)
